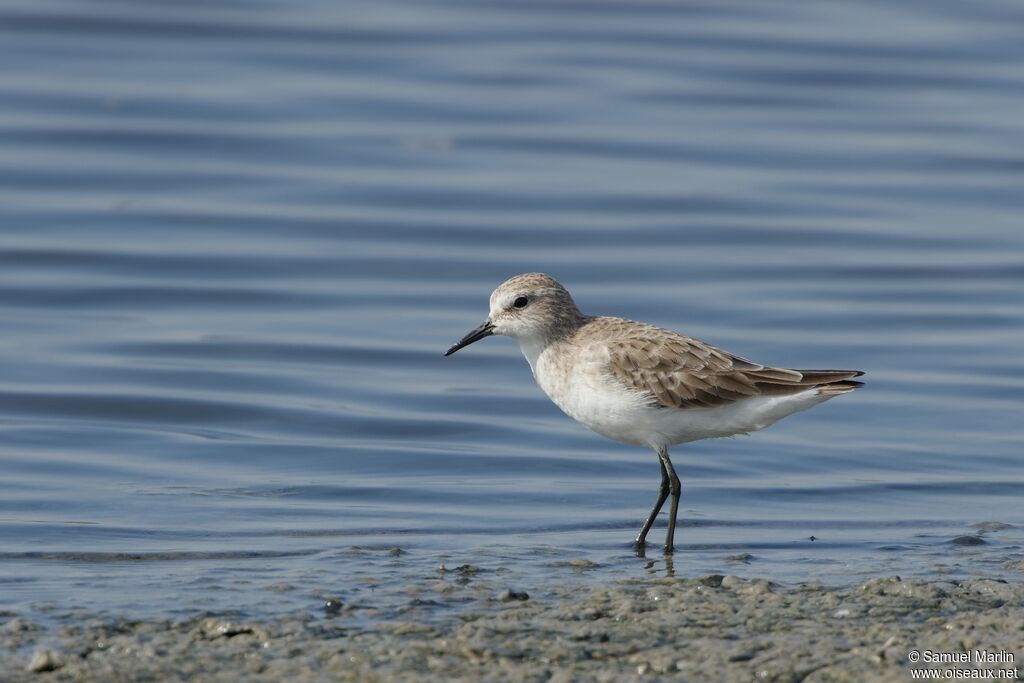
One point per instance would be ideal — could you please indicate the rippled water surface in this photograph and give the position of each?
(235, 238)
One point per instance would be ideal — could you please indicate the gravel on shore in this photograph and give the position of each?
(720, 628)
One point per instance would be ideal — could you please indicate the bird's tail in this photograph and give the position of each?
(831, 382)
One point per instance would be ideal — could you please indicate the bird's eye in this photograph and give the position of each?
(521, 302)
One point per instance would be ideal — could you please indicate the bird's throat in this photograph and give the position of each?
(532, 347)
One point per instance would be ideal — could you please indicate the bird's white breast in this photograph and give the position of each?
(578, 382)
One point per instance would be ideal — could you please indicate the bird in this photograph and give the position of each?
(644, 385)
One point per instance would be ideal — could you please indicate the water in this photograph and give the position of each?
(235, 239)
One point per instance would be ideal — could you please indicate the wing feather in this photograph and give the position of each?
(677, 371)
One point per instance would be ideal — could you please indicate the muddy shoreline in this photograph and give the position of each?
(715, 627)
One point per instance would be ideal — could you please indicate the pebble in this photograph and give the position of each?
(969, 540)
(509, 595)
(222, 628)
(45, 660)
(745, 558)
(332, 606)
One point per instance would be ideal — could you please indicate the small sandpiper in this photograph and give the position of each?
(643, 385)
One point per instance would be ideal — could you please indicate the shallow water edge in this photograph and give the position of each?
(722, 627)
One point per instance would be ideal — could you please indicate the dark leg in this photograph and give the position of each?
(674, 488)
(641, 538)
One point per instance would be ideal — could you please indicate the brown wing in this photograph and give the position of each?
(683, 372)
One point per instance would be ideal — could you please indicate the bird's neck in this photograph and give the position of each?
(534, 344)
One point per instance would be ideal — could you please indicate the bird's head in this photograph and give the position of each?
(527, 306)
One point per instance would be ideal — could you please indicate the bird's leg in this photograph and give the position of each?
(641, 538)
(674, 488)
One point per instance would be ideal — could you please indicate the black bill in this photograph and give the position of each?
(486, 329)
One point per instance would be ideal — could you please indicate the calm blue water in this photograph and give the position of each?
(236, 237)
